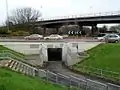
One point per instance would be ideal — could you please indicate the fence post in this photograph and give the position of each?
(47, 75)
(86, 85)
(78, 85)
(70, 84)
(107, 87)
(56, 79)
(36, 73)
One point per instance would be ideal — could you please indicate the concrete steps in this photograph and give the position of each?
(21, 67)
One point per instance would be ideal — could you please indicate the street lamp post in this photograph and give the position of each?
(7, 14)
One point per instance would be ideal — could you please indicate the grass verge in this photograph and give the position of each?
(14, 81)
(103, 61)
(2, 48)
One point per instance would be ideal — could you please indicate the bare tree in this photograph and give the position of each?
(24, 15)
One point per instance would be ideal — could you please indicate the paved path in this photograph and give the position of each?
(57, 67)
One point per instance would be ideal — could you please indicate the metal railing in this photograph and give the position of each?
(70, 81)
(112, 75)
(91, 84)
(104, 73)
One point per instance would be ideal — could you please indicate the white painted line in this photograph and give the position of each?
(18, 67)
(21, 67)
(6, 65)
(12, 64)
(25, 64)
(24, 69)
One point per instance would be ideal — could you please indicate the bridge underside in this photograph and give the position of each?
(83, 21)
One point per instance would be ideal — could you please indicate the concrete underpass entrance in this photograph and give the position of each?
(54, 54)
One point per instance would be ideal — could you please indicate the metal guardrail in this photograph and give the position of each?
(72, 81)
(112, 75)
(101, 72)
(91, 84)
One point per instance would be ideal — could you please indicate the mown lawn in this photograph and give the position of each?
(14, 81)
(2, 48)
(105, 57)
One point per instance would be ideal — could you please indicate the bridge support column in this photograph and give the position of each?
(57, 30)
(94, 30)
(44, 32)
(81, 28)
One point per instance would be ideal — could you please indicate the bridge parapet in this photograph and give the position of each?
(83, 15)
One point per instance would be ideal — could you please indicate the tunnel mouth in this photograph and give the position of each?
(54, 54)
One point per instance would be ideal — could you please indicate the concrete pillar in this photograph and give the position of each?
(97, 30)
(44, 32)
(57, 30)
(81, 29)
(94, 29)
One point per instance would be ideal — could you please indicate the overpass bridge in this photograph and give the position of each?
(81, 20)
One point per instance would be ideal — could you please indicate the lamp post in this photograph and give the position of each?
(7, 14)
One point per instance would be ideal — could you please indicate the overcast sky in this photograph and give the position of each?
(52, 8)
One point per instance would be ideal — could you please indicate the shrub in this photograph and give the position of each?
(20, 33)
(23, 33)
(14, 34)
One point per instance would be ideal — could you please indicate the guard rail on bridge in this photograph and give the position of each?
(83, 15)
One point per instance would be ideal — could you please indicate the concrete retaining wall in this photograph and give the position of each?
(29, 48)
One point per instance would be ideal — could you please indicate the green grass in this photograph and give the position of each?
(2, 48)
(105, 57)
(14, 81)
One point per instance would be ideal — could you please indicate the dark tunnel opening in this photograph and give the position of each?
(54, 54)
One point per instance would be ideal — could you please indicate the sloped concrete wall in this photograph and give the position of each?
(34, 48)
(25, 48)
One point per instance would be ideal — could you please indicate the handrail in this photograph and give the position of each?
(101, 72)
